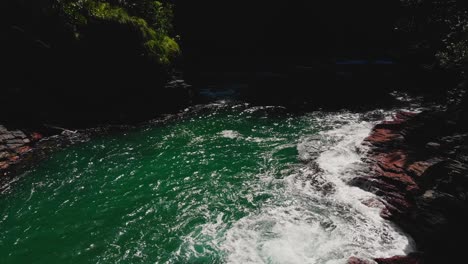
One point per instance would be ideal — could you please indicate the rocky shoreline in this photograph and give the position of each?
(420, 170)
(20, 149)
(15, 145)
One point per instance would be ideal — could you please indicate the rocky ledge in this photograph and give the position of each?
(420, 170)
(22, 148)
(14, 145)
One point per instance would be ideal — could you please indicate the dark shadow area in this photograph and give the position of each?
(58, 70)
(303, 53)
(111, 61)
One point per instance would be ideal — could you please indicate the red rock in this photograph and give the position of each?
(14, 158)
(401, 178)
(395, 159)
(400, 260)
(4, 165)
(392, 166)
(36, 136)
(413, 188)
(404, 115)
(23, 149)
(418, 168)
(381, 135)
(388, 131)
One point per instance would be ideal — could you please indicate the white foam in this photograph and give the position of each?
(230, 134)
(314, 217)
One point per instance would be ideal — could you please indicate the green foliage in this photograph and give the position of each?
(158, 14)
(165, 49)
(151, 19)
(165, 16)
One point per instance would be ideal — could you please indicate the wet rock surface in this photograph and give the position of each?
(14, 144)
(420, 170)
(355, 260)
(411, 259)
(22, 148)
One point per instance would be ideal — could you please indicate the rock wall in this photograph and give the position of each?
(420, 170)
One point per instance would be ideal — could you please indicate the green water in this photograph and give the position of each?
(224, 184)
(133, 197)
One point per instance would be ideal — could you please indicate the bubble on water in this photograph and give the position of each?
(230, 134)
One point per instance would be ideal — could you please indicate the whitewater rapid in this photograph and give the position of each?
(314, 216)
(218, 183)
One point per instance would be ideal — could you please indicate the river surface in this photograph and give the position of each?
(228, 183)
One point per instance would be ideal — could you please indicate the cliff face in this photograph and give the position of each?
(420, 170)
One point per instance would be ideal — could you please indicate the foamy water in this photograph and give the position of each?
(226, 184)
(315, 216)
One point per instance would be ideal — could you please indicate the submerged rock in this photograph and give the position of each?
(411, 259)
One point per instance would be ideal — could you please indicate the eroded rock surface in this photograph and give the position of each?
(13, 145)
(420, 170)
